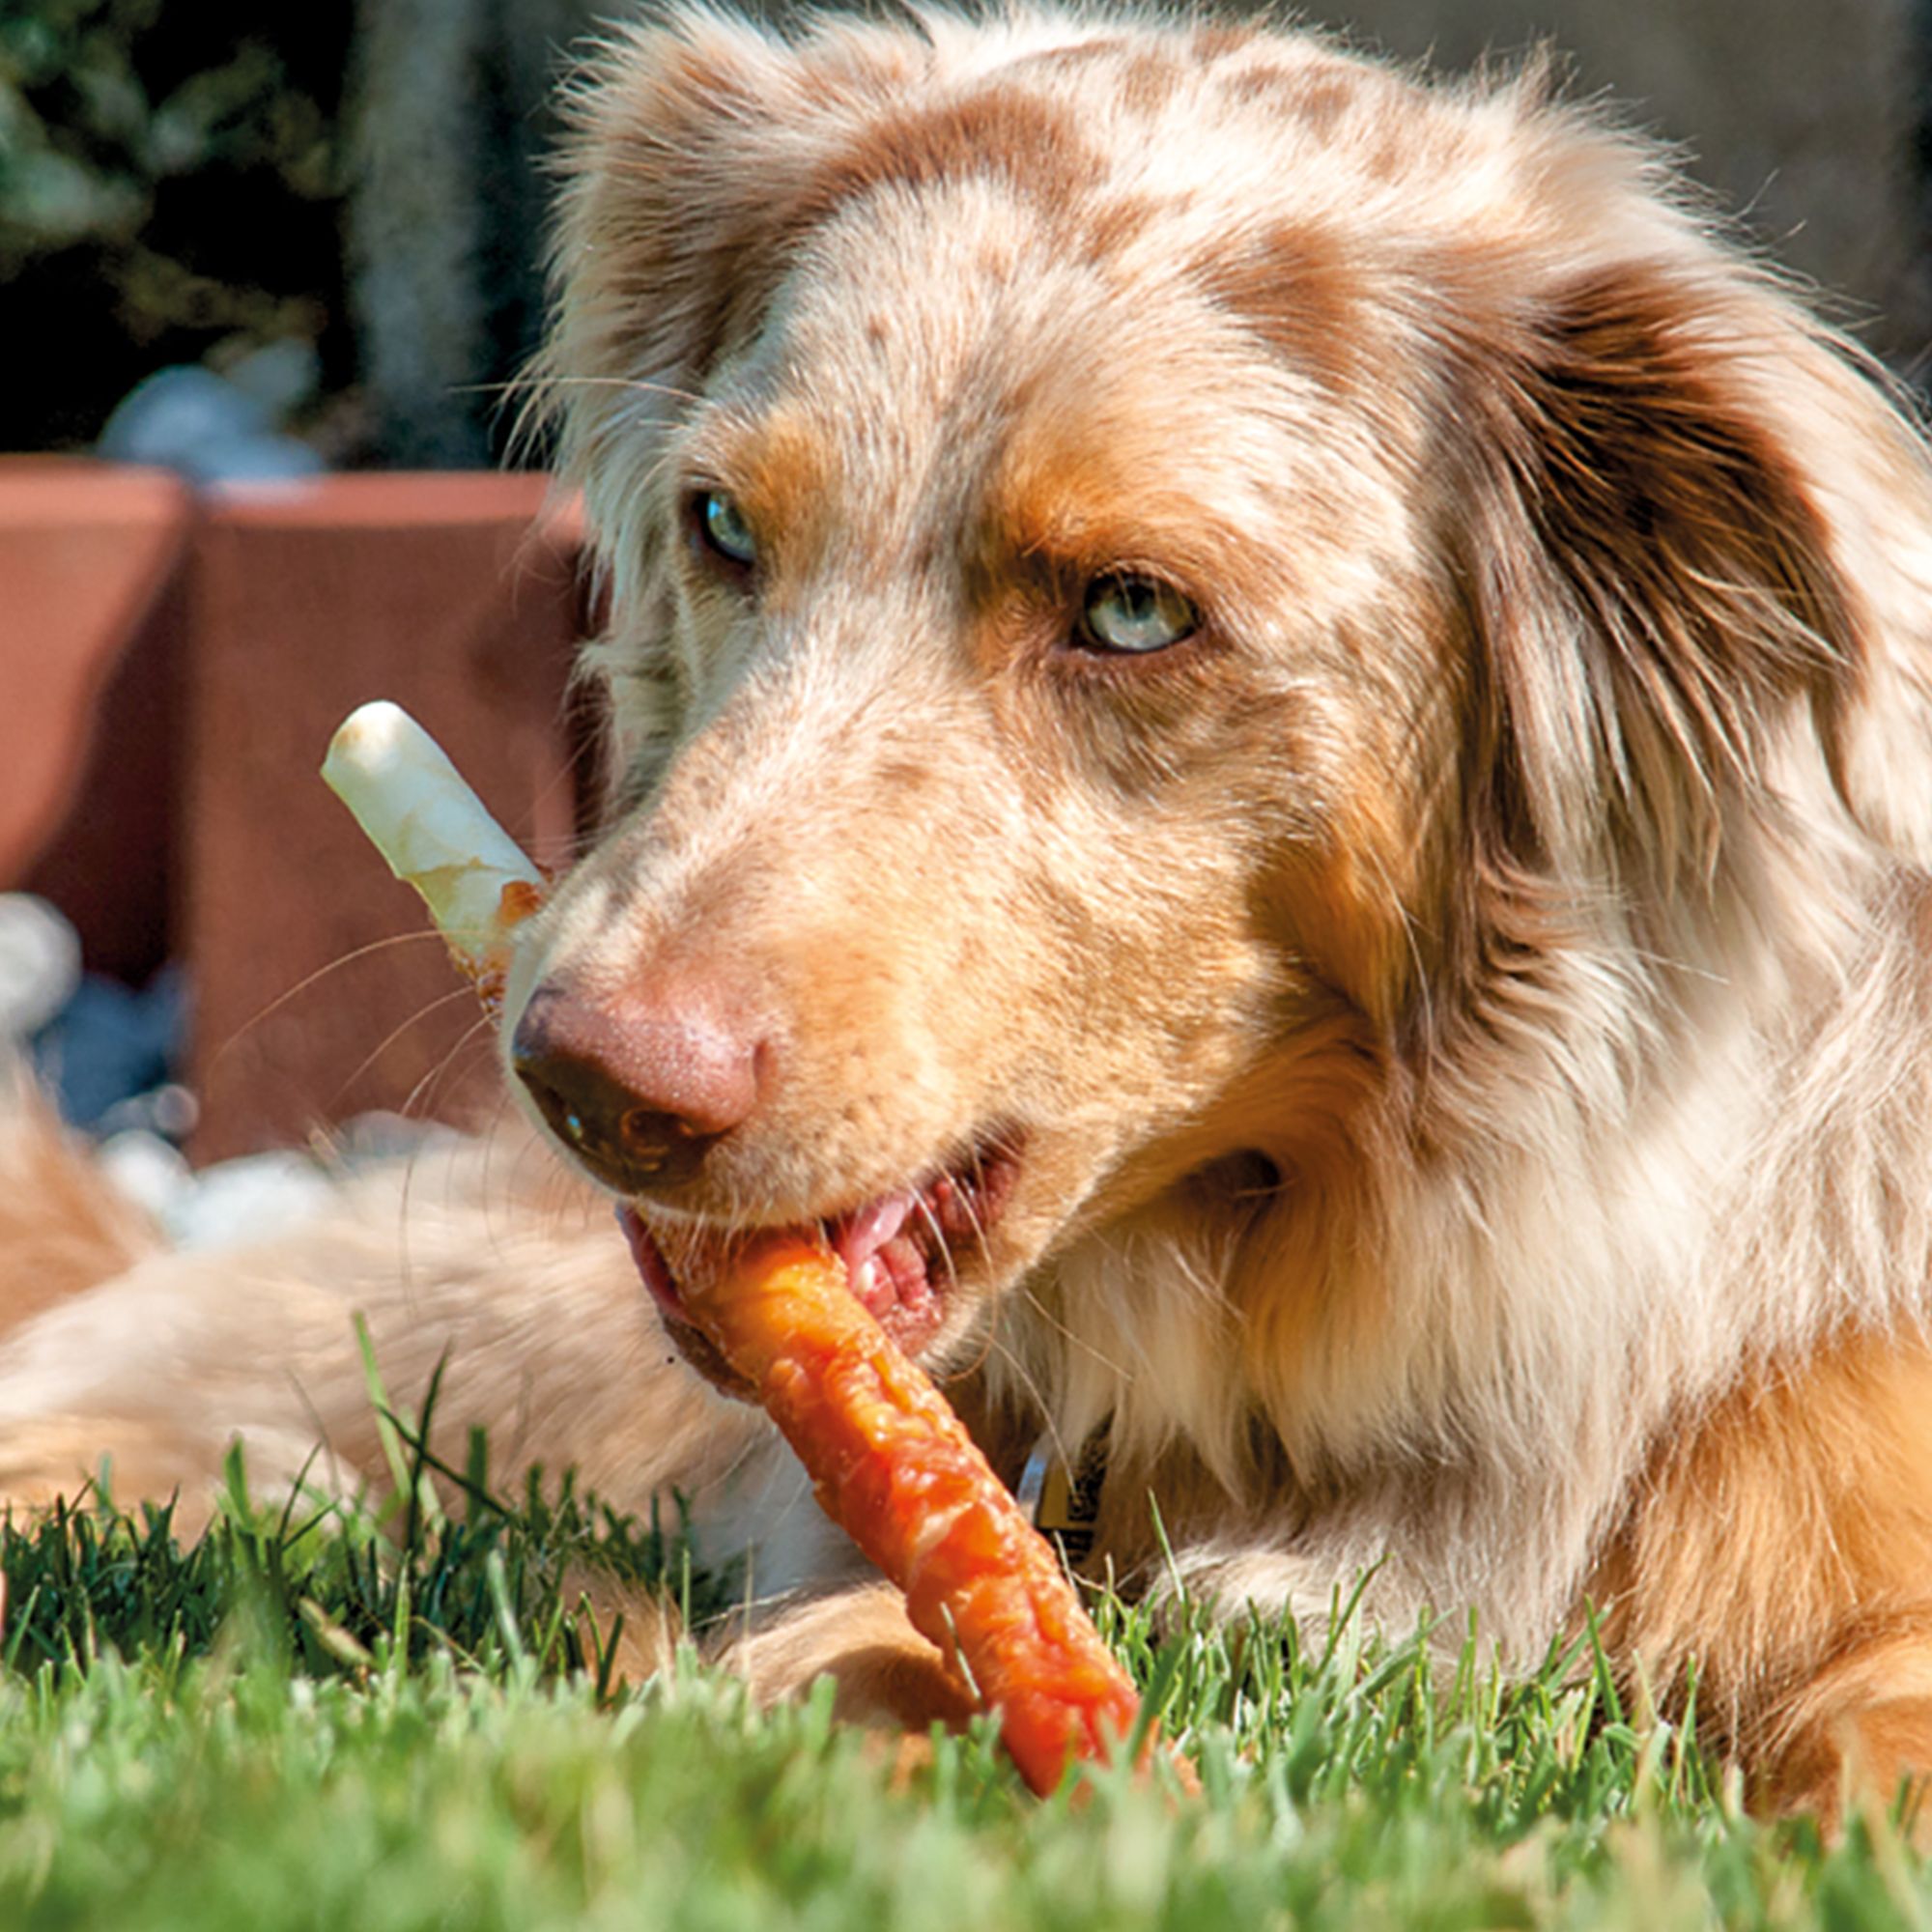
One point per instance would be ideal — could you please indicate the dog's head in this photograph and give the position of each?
(1166, 588)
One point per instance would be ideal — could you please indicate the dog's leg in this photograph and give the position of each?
(1857, 1730)
(1779, 1550)
(885, 1672)
(1384, 1563)
(1782, 1543)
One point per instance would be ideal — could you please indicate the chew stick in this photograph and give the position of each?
(436, 834)
(887, 1458)
(894, 1466)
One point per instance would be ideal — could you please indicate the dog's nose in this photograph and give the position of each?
(640, 1088)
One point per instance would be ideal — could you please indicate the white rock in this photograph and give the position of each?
(40, 964)
(147, 1171)
(248, 1200)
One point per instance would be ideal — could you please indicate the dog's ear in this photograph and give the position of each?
(696, 153)
(1695, 531)
(684, 142)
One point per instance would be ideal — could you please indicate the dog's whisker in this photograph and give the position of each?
(1072, 1337)
(480, 1031)
(418, 1096)
(938, 1233)
(440, 1004)
(309, 981)
(540, 384)
(969, 1200)
(1029, 1385)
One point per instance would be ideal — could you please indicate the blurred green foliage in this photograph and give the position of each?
(170, 177)
(84, 142)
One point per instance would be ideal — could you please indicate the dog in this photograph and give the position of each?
(1269, 733)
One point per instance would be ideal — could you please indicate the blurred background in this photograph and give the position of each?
(359, 185)
(265, 270)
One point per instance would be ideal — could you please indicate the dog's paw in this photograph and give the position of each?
(639, 1630)
(886, 1674)
(1235, 1581)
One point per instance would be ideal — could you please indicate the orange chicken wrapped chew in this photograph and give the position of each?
(896, 1469)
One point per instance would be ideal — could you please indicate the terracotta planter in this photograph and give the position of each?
(93, 616)
(165, 700)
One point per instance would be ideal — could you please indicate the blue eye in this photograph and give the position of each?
(723, 526)
(1135, 615)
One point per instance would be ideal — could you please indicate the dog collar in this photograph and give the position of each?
(1065, 1500)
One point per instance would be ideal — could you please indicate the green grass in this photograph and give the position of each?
(342, 1724)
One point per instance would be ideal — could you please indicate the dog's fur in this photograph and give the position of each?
(1463, 1013)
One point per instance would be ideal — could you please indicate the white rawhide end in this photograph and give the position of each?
(432, 828)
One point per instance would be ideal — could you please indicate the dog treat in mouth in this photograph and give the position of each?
(433, 830)
(895, 1467)
(889, 1460)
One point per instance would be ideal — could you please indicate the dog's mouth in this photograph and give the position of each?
(904, 1254)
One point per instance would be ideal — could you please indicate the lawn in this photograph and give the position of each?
(326, 1722)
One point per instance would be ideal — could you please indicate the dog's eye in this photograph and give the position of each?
(723, 526)
(1136, 615)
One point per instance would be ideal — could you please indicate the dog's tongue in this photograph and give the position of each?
(653, 1270)
(882, 1267)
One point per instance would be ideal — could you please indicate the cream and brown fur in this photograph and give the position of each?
(1465, 1013)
